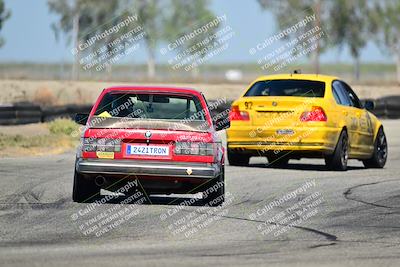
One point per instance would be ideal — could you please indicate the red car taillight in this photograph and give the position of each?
(101, 145)
(237, 115)
(194, 148)
(316, 114)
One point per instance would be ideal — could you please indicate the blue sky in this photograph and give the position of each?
(29, 37)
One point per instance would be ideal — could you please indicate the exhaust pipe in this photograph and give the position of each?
(100, 180)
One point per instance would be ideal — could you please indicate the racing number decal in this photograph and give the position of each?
(248, 105)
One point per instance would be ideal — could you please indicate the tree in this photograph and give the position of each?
(80, 20)
(349, 26)
(285, 11)
(70, 23)
(186, 17)
(4, 15)
(150, 16)
(385, 24)
(103, 16)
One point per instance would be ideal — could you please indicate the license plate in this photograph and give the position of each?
(150, 150)
(267, 115)
(285, 131)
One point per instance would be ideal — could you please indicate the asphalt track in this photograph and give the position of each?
(341, 218)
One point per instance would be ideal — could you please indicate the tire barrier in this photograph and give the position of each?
(67, 111)
(387, 107)
(20, 113)
(7, 114)
(392, 104)
(52, 113)
(380, 109)
(25, 112)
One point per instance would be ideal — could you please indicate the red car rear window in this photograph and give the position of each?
(150, 106)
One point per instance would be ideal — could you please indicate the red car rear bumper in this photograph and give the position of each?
(149, 168)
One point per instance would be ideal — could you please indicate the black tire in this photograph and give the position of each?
(214, 190)
(379, 156)
(380, 109)
(54, 112)
(236, 159)
(26, 120)
(277, 160)
(7, 114)
(6, 107)
(84, 190)
(392, 102)
(34, 115)
(393, 114)
(338, 161)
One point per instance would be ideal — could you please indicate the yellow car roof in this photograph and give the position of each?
(312, 77)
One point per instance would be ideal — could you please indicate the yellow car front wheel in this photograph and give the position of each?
(379, 156)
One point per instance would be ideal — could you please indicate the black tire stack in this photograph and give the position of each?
(20, 113)
(7, 115)
(53, 112)
(379, 107)
(387, 107)
(392, 106)
(25, 112)
(66, 111)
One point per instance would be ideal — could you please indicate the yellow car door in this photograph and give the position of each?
(348, 115)
(367, 131)
(364, 130)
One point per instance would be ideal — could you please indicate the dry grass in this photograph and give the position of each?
(43, 96)
(79, 92)
(58, 139)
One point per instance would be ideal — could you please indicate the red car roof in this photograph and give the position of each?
(152, 88)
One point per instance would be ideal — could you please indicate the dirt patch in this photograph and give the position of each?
(27, 130)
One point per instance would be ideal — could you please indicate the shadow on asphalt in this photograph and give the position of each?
(159, 200)
(170, 200)
(165, 200)
(300, 166)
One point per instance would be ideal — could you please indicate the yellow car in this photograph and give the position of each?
(291, 116)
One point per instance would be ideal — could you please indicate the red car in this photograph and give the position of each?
(164, 138)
